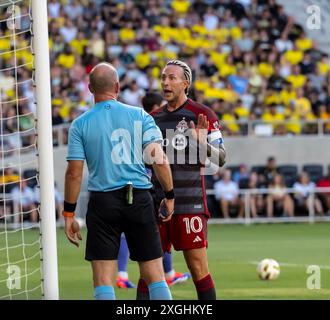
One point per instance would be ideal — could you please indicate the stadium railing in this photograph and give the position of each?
(247, 219)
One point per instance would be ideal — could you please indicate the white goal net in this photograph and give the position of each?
(21, 254)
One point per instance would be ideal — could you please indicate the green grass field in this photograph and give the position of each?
(234, 251)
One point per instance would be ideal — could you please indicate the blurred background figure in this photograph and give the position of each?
(324, 182)
(24, 199)
(227, 193)
(278, 198)
(302, 192)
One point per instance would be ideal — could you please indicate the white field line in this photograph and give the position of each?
(294, 265)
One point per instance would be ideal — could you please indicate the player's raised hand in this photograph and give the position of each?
(72, 231)
(200, 131)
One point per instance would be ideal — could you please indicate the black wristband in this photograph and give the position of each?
(69, 207)
(169, 194)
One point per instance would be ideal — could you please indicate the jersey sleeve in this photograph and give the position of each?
(75, 144)
(150, 131)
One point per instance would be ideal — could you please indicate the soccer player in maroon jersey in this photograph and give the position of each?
(188, 126)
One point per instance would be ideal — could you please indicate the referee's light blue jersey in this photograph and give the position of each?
(111, 138)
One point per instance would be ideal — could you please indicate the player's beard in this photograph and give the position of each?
(172, 97)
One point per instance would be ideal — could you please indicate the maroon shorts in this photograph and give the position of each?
(184, 232)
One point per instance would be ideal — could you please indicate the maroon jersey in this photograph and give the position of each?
(183, 154)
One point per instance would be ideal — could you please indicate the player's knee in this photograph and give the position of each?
(152, 271)
(198, 267)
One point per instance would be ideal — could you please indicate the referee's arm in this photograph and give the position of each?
(73, 178)
(155, 156)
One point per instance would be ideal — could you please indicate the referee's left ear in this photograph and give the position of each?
(117, 88)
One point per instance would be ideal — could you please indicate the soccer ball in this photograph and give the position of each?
(268, 269)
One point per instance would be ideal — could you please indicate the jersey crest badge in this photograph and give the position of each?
(182, 126)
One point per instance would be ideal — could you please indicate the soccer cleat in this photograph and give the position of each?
(124, 283)
(178, 278)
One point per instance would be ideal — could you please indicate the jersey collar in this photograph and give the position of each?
(182, 106)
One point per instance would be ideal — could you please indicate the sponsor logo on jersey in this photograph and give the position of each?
(179, 142)
(197, 239)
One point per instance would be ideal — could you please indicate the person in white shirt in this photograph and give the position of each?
(58, 200)
(302, 190)
(283, 43)
(54, 9)
(227, 193)
(23, 198)
(211, 20)
(68, 31)
(133, 95)
(279, 198)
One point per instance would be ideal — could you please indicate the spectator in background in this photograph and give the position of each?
(270, 170)
(253, 45)
(257, 201)
(279, 198)
(54, 8)
(8, 180)
(58, 200)
(152, 101)
(23, 198)
(126, 59)
(56, 116)
(242, 175)
(56, 120)
(302, 191)
(227, 193)
(133, 95)
(68, 31)
(325, 197)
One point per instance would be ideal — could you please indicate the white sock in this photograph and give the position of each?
(169, 275)
(123, 274)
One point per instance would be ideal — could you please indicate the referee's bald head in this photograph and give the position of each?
(103, 79)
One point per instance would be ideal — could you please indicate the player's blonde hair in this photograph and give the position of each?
(186, 71)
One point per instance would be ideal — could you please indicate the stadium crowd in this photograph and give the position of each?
(271, 196)
(250, 61)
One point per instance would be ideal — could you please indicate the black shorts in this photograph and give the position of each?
(109, 215)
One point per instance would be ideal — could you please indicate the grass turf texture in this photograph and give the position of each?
(234, 251)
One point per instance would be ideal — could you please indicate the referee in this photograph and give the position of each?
(115, 140)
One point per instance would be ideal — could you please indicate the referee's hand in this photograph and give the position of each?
(72, 231)
(166, 205)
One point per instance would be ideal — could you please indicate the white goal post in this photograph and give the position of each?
(28, 246)
(45, 149)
